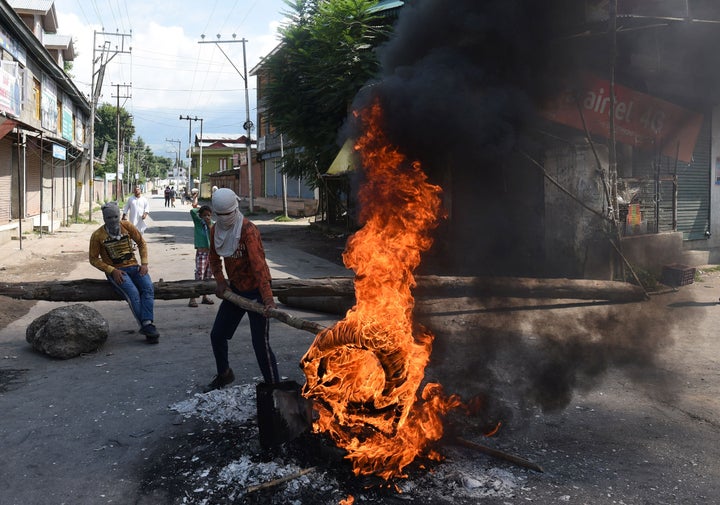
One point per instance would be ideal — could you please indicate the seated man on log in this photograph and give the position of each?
(112, 251)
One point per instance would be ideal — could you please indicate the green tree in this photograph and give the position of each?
(106, 127)
(326, 55)
(143, 161)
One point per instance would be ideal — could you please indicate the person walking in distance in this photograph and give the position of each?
(201, 216)
(136, 209)
(111, 251)
(167, 192)
(235, 243)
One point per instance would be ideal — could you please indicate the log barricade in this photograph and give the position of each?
(427, 286)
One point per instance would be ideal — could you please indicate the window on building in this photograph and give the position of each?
(223, 163)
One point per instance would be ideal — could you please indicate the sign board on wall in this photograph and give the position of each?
(10, 88)
(10, 45)
(59, 152)
(79, 128)
(67, 121)
(48, 104)
(598, 10)
(641, 120)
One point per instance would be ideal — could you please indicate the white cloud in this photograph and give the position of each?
(170, 73)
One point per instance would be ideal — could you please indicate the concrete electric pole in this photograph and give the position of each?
(248, 125)
(107, 53)
(189, 120)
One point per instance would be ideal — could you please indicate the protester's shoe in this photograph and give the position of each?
(207, 301)
(193, 303)
(222, 380)
(151, 334)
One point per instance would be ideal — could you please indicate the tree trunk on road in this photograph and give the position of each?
(428, 286)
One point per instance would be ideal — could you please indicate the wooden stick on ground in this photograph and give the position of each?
(276, 482)
(499, 454)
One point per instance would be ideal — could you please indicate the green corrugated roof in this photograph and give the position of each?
(384, 5)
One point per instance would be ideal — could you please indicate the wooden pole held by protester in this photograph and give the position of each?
(289, 319)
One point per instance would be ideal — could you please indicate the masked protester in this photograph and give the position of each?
(112, 252)
(235, 243)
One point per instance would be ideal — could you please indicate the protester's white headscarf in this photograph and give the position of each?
(227, 227)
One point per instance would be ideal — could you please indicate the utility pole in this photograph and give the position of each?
(189, 120)
(284, 179)
(177, 158)
(107, 53)
(120, 152)
(248, 125)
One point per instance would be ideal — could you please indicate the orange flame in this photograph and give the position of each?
(364, 373)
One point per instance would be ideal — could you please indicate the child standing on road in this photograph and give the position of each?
(201, 217)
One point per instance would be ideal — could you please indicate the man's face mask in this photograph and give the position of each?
(112, 221)
(226, 221)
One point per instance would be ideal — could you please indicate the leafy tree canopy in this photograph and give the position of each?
(138, 157)
(326, 55)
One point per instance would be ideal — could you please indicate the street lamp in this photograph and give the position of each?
(189, 119)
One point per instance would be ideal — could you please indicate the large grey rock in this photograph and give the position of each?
(68, 331)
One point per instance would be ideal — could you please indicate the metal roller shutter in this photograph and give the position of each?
(6, 168)
(694, 189)
(33, 170)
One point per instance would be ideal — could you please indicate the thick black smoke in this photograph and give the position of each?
(461, 87)
(462, 77)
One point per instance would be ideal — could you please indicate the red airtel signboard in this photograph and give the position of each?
(641, 120)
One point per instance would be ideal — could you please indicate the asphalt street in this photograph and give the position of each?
(632, 391)
(74, 431)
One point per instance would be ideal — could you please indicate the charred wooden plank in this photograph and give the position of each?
(496, 453)
(280, 480)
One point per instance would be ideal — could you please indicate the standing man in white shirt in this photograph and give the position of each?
(136, 209)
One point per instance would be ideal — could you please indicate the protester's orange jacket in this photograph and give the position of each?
(247, 268)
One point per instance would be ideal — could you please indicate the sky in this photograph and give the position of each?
(162, 70)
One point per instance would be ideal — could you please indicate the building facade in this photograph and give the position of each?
(272, 146)
(44, 121)
(225, 163)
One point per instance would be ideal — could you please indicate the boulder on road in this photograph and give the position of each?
(67, 332)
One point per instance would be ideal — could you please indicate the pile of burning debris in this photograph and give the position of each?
(222, 461)
(377, 424)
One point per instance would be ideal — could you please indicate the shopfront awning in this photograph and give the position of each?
(344, 161)
(6, 126)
